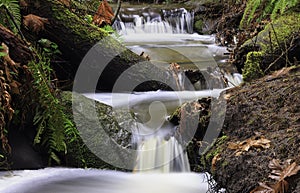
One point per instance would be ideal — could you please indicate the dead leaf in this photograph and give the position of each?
(35, 23)
(263, 188)
(280, 171)
(214, 161)
(249, 143)
(104, 14)
(65, 2)
(146, 56)
(284, 170)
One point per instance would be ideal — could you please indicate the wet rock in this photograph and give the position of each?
(98, 123)
(192, 119)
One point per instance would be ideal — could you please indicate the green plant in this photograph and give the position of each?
(12, 8)
(108, 29)
(49, 49)
(6, 110)
(2, 53)
(88, 18)
(53, 127)
(260, 9)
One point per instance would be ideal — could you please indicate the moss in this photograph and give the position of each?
(252, 69)
(175, 116)
(78, 25)
(269, 40)
(218, 147)
(283, 27)
(198, 26)
(82, 153)
(270, 43)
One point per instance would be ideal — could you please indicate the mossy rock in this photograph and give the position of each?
(276, 33)
(252, 69)
(198, 25)
(277, 38)
(95, 130)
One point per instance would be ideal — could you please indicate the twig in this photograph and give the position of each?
(15, 24)
(275, 34)
(282, 54)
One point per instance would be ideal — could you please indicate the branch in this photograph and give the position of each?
(116, 12)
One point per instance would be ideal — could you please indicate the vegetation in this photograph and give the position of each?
(257, 10)
(5, 110)
(12, 18)
(252, 69)
(53, 127)
(270, 49)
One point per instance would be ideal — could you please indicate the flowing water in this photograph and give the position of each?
(161, 164)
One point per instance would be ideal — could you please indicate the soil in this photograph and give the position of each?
(267, 108)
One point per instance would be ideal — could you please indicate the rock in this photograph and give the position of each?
(192, 119)
(207, 79)
(277, 42)
(116, 127)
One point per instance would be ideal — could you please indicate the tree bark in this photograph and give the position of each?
(18, 50)
(75, 37)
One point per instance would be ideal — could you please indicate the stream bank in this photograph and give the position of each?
(262, 123)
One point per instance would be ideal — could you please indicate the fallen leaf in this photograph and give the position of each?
(249, 143)
(35, 23)
(263, 188)
(284, 170)
(279, 172)
(214, 161)
(65, 2)
(104, 14)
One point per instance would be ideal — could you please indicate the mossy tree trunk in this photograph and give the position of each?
(75, 37)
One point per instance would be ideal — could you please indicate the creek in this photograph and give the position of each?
(161, 162)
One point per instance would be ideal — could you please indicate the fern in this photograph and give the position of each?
(283, 5)
(264, 8)
(12, 8)
(53, 128)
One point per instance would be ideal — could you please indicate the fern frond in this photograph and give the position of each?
(250, 10)
(53, 127)
(282, 6)
(13, 7)
(264, 8)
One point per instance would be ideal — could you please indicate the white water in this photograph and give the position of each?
(160, 153)
(67, 180)
(155, 153)
(177, 21)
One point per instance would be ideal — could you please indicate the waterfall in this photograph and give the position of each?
(147, 20)
(177, 73)
(158, 146)
(161, 153)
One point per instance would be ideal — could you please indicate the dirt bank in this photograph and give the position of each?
(264, 116)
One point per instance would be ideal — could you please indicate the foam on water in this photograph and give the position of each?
(67, 180)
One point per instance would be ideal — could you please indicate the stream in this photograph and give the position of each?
(161, 164)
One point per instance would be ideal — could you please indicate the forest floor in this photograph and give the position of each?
(262, 125)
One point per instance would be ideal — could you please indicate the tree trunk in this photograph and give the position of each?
(18, 51)
(75, 37)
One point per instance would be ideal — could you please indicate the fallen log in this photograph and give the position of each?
(75, 37)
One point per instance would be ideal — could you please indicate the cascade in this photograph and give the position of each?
(160, 149)
(147, 20)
